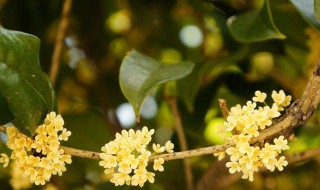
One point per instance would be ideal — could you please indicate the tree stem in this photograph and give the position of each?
(61, 33)
(172, 101)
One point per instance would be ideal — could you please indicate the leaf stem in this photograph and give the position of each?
(61, 33)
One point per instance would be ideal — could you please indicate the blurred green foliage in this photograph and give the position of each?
(232, 60)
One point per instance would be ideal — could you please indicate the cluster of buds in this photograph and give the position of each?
(246, 122)
(126, 158)
(40, 157)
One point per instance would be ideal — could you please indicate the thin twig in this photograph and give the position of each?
(61, 33)
(224, 108)
(172, 101)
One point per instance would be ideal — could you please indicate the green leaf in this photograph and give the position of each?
(6, 116)
(307, 9)
(139, 74)
(189, 86)
(254, 26)
(26, 93)
(317, 9)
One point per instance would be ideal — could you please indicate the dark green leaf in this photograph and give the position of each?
(26, 92)
(307, 9)
(255, 25)
(139, 74)
(6, 115)
(189, 86)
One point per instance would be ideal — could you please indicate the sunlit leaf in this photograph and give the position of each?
(139, 74)
(255, 25)
(26, 93)
(307, 9)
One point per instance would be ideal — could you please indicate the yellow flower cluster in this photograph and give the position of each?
(246, 122)
(126, 158)
(40, 157)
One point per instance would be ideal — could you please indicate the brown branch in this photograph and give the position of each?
(191, 153)
(81, 153)
(172, 101)
(62, 30)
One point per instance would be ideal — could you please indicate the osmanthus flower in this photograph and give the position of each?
(246, 122)
(4, 159)
(259, 96)
(40, 157)
(126, 158)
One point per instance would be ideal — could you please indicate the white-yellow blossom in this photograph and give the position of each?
(40, 158)
(259, 96)
(126, 158)
(157, 165)
(220, 155)
(158, 148)
(247, 122)
(4, 159)
(169, 146)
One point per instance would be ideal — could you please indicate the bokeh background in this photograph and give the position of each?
(99, 34)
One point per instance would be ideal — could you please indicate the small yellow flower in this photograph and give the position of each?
(150, 176)
(249, 107)
(281, 143)
(236, 111)
(233, 167)
(220, 155)
(64, 135)
(247, 161)
(251, 131)
(259, 96)
(281, 99)
(231, 123)
(4, 159)
(234, 154)
(169, 146)
(157, 148)
(157, 165)
(124, 167)
(120, 178)
(272, 112)
(281, 162)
